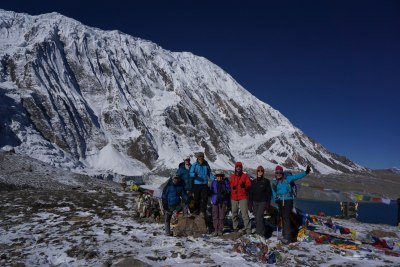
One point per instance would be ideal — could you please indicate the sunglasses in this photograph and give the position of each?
(260, 171)
(279, 173)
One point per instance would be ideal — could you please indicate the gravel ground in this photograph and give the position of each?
(52, 217)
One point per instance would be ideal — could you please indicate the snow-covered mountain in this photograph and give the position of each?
(93, 100)
(395, 170)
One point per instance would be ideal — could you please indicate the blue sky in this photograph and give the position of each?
(331, 67)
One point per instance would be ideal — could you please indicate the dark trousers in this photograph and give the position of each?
(218, 216)
(258, 211)
(167, 221)
(285, 209)
(398, 212)
(200, 197)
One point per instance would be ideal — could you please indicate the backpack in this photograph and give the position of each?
(293, 186)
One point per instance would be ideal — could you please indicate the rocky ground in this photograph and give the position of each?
(20, 171)
(59, 220)
(40, 227)
(51, 217)
(378, 183)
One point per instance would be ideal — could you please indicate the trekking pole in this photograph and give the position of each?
(283, 204)
(277, 223)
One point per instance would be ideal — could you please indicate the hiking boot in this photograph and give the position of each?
(168, 233)
(214, 233)
(220, 233)
(261, 239)
(285, 241)
(248, 232)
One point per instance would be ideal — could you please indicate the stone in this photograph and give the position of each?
(8, 149)
(128, 262)
(380, 234)
(190, 226)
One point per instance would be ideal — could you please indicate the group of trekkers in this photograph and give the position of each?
(239, 193)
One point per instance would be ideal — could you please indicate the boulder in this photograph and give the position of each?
(8, 149)
(129, 262)
(194, 225)
(381, 234)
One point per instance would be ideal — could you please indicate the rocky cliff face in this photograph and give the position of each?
(83, 98)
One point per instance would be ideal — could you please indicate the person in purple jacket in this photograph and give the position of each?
(220, 191)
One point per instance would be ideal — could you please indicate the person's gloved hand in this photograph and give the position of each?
(308, 169)
(242, 185)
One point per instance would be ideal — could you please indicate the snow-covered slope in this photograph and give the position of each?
(83, 98)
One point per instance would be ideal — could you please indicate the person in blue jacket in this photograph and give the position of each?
(283, 196)
(201, 173)
(173, 195)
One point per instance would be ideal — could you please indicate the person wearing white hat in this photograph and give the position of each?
(201, 173)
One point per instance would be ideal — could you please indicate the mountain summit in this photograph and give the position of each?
(93, 100)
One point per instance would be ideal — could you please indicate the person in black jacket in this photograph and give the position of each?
(184, 173)
(260, 193)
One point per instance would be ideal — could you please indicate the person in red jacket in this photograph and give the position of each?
(240, 184)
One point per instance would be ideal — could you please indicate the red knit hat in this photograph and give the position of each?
(278, 169)
(238, 164)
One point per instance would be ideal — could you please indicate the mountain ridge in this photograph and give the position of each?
(92, 100)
